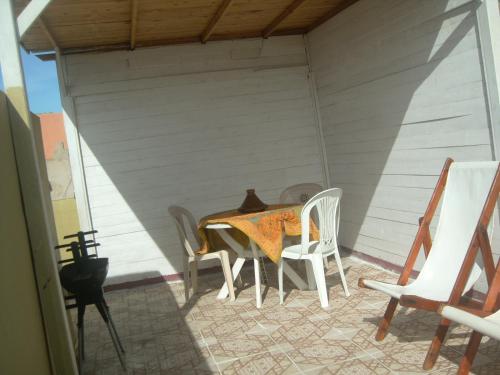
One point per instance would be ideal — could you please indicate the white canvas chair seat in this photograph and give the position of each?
(296, 252)
(466, 190)
(484, 320)
(489, 326)
(439, 293)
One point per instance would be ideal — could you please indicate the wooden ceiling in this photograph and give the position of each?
(90, 25)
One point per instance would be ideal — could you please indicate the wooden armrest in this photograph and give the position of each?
(419, 302)
(478, 312)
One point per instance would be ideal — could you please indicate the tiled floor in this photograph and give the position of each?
(164, 335)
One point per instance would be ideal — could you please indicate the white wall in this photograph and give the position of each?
(400, 85)
(193, 125)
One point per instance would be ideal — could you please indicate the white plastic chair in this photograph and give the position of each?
(191, 259)
(299, 193)
(313, 252)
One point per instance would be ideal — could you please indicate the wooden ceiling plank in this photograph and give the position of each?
(333, 12)
(281, 17)
(30, 14)
(133, 23)
(112, 26)
(215, 20)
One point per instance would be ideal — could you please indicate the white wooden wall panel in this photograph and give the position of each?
(401, 88)
(215, 119)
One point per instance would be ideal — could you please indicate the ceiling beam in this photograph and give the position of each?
(333, 12)
(281, 17)
(29, 15)
(215, 20)
(133, 23)
(174, 41)
(48, 34)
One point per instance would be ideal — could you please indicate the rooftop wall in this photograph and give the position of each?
(192, 125)
(399, 93)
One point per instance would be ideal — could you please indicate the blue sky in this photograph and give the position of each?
(41, 81)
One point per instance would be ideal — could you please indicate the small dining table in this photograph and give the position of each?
(264, 232)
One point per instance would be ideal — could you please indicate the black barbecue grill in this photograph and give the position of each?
(83, 277)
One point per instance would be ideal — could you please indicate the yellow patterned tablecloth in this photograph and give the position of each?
(265, 228)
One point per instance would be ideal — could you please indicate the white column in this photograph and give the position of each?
(74, 147)
(317, 116)
(36, 197)
(488, 24)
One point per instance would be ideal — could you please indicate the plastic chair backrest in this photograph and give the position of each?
(465, 194)
(181, 217)
(327, 204)
(299, 193)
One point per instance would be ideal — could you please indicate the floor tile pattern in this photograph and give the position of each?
(164, 334)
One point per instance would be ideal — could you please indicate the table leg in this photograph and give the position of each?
(310, 275)
(292, 275)
(265, 279)
(256, 266)
(238, 264)
(238, 282)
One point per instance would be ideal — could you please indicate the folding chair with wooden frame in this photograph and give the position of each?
(470, 192)
(484, 321)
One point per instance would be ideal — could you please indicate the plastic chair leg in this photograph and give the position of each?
(193, 268)
(186, 279)
(319, 275)
(280, 279)
(341, 272)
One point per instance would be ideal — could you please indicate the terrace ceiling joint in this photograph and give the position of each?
(333, 12)
(221, 11)
(281, 17)
(48, 33)
(134, 6)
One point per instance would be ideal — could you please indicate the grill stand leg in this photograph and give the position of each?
(81, 336)
(113, 327)
(101, 306)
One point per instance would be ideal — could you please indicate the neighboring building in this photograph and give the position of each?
(55, 147)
